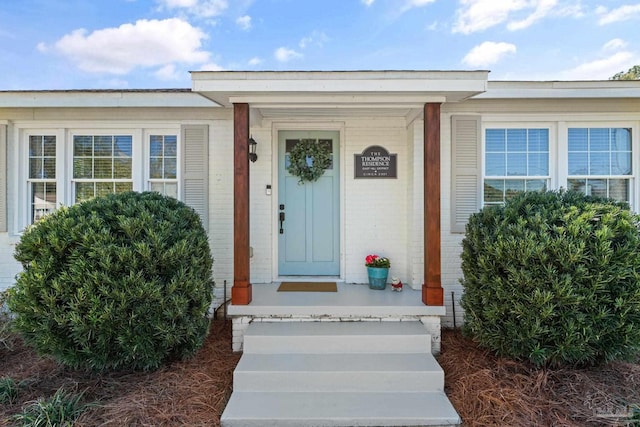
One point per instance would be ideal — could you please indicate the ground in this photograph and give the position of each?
(485, 390)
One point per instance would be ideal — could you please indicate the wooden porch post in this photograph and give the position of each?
(432, 293)
(241, 291)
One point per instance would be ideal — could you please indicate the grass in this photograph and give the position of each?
(485, 390)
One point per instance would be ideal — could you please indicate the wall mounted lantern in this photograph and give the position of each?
(252, 150)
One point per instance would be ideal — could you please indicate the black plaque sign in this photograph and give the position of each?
(375, 162)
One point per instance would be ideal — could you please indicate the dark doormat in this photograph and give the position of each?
(308, 287)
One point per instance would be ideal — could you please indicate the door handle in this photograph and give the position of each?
(281, 222)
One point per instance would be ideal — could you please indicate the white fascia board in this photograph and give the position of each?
(98, 99)
(564, 89)
(393, 86)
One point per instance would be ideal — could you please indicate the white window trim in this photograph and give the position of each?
(553, 158)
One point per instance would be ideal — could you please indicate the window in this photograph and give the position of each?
(42, 176)
(102, 164)
(515, 160)
(600, 162)
(163, 164)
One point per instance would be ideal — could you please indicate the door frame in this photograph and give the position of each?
(306, 125)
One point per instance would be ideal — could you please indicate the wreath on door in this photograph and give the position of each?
(308, 160)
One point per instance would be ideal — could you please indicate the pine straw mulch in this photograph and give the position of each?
(492, 391)
(486, 390)
(192, 392)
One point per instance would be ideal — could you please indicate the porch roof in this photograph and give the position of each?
(347, 90)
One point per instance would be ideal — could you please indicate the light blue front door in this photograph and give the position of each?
(308, 213)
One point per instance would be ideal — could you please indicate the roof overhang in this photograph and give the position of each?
(561, 89)
(318, 90)
(103, 98)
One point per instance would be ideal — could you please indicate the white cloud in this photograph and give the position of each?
(367, 2)
(255, 61)
(623, 13)
(418, 3)
(478, 15)
(199, 8)
(488, 53)
(244, 22)
(543, 8)
(614, 44)
(602, 69)
(284, 54)
(211, 66)
(169, 72)
(143, 44)
(317, 38)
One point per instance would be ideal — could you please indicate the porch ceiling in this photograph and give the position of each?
(324, 93)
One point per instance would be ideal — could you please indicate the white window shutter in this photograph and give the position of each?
(465, 169)
(3, 178)
(195, 176)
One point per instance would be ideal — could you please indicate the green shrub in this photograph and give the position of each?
(8, 390)
(117, 282)
(60, 410)
(554, 278)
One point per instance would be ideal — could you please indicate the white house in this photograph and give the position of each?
(457, 141)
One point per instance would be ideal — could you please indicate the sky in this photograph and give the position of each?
(142, 44)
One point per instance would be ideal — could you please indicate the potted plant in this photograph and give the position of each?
(378, 271)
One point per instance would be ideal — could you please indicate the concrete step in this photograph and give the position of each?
(284, 409)
(397, 372)
(336, 337)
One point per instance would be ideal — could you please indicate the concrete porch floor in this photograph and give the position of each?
(351, 300)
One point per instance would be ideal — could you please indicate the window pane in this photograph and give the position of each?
(621, 139)
(495, 140)
(496, 164)
(599, 164)
(103, 146)
(513, 187)
(49, 146)
(82, 146)
(170, 146)
(493, 190)
(122, 187)
(83, 168)
(171, 189)
(84, 191)
(516, 164)
(49, 168)
(599, 140)
(620, 163)
(157, 187)
(539, 140)
(619, 189)
(103, 168)
(170, 168)
(516, 140)
(122, 168)
(43, 199)
(597, 187)
(35, 168)
(155, 168)
(536, 185)
(578, 163)
(35, 146)
(104, 188)
(578, 139)
(155, 145)
(123, 146)
(538, 164)
(577, 185)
